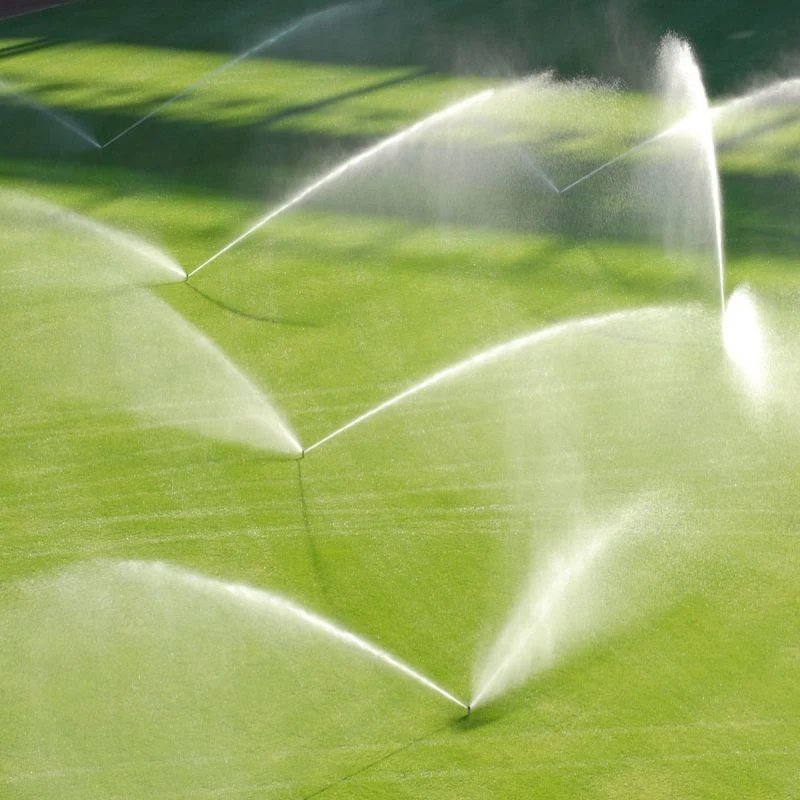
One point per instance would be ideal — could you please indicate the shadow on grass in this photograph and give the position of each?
(230, 309)
(614, 39)
(307, 108)
(32, 46)
(431, 183)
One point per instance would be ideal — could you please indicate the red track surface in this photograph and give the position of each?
(14, 8)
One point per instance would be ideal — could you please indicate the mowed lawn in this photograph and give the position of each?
(143, 541)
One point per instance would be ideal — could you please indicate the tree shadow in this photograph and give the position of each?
(615, 39)
(429, 181)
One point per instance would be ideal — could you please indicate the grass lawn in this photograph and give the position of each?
(152, 509)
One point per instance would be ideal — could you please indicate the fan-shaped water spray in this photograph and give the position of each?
(51, 247)
(86, 333)
(686, 95)
(268, 603)
(542, 624)
(60, 119)
(352, 163)
(133, 352)
(485, 357)
(774, 93)
(265, 44)
(202, 672)
(685, 99)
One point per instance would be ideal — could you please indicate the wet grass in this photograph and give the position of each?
(416, 529)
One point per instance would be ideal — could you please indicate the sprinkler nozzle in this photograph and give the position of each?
(469, 710)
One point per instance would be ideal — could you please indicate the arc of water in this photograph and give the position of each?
(336, 173)
(700, 120)
(715, 112)
(706, 127)
(766, 93)
(480, 359)
(566, 573)
(263, 599)
(681, 68)
(671, 131)
(545, 597)
(262, 45)
(60, 119)
(139, 246)
(543, 176)
(351, 163)
(229, 405)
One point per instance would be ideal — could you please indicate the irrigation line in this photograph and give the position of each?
(316, 562)
(377, 761)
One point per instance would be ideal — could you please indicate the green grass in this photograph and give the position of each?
(674, 663)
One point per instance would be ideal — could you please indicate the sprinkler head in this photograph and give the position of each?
(469, 710)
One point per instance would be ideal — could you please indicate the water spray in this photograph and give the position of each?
(671, 131)
(717, 112)
(679, 61)
(209, 76)
(153, 265)
(60, 119)
(259, 599)
(779, 90)
(350, 164)
(481, 359)
(679, 66)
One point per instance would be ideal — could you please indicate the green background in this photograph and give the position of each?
(130, 667)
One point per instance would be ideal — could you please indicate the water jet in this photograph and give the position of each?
(59, 118)
(101, 257)
(265, 602)
(773, 93)
(685, 93)
(743, 338)
(543, 625)
(265, 44)
(350, 164)
(610, 407)
(485, 357)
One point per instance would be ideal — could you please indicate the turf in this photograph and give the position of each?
(673, 668)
